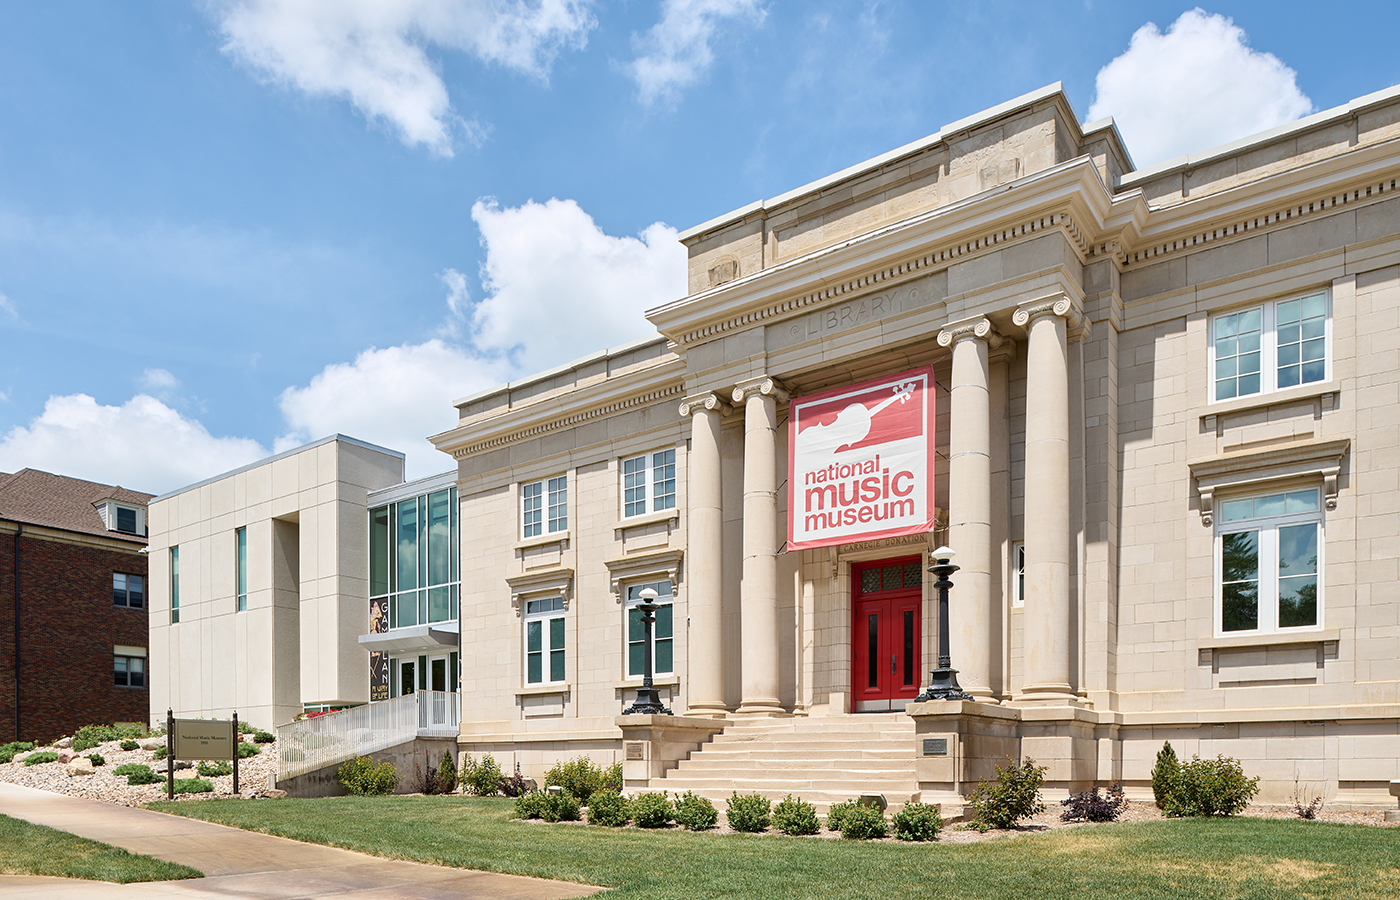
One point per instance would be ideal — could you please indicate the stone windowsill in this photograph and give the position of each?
(1274, 398)
(666, 515)
(632, 684)
(1277, 639)
(557, 537)
(540, 690)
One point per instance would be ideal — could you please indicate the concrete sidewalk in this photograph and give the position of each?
(240, 863)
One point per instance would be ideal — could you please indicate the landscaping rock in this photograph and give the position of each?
(20, 757)
(151, 743)
(66, 756)
(63, 743)
(80, 766)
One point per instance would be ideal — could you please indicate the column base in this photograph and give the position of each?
(707, 710)
(761, 707)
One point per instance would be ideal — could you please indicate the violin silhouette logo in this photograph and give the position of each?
(848, 428)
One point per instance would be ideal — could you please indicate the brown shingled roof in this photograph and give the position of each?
(57, 501)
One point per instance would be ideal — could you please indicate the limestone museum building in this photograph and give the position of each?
(1155, 413)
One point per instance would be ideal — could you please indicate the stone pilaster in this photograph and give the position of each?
(1048, 606)
(758, 594)
(704, 552)
(969, 501)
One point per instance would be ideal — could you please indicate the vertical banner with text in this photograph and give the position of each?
(860, 461)
(378, 661)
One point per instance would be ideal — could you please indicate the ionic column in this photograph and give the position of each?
(758, 592)
(1047, 493)
(970, 501)
(704, 552)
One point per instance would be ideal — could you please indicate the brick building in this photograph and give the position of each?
(73, 637)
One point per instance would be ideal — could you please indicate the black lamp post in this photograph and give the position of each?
(943, 681)
(648, 700)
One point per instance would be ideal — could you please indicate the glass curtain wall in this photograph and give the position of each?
(413, 559)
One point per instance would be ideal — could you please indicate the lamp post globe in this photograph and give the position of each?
(943, 681)
(648, 701)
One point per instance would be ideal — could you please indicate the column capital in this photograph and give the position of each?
(1055, 305)
(766, 386)
(706, 402)
(976, 327)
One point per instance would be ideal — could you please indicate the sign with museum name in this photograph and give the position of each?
(204, 739)
(860, 462)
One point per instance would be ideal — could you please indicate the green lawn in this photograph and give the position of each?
(27, 849)
(1236, 859)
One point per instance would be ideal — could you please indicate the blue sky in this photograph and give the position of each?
(229, 227)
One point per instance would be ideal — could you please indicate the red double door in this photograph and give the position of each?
(888, 629)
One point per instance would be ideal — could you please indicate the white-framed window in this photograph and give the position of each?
(121, 517)
(240, 543)
(1270, 347)
(649, 483)
(128, 590)
(544, 641)
(129, 671)
(1018, 574)
(663, 631)
(1268, 562)
(544, 507)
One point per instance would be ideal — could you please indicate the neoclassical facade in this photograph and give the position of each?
(1166, 450)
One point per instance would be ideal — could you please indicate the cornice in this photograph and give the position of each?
(76, 538)
(1368, 174)
(1070, 199)
(534, 418)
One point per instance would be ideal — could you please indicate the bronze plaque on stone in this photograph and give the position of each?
(635, 750)
(935, 746)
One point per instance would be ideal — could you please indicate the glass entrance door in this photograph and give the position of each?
(887, 631)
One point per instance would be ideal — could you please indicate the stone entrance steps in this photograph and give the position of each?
(823, 760)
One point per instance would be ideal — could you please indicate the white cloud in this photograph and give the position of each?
(458, 299)
(676, 51)
(158, 380)
(559, 288)
(394, 397)
(8, 307)
(143, 444)
(372, 52)
(1195, 87)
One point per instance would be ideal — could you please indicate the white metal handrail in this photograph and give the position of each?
(315, 743)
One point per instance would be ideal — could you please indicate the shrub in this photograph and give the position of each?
(193, 786)
(1306, 809)
(362, 776)
(530, 806)
(89, 736)
(246, 749)
(750, 813)
(214, 768)
(264, 737)
(130, 745)
(96, 759)
(162, 752)
(482, 778)
(608, 807)
(837, 813)
(43, 756)
(515, 785)
(130, 768)
(1090, 806)
(861, 823)
(918, 822)
(425, 780)
(447, 773)
(560, 806)
(142, 775)
(1211, 787)
(652, 810)
(695, 813)
(1014, 796)
(795, 817)
(8, 751)
(1165, 774)
(581, 777)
